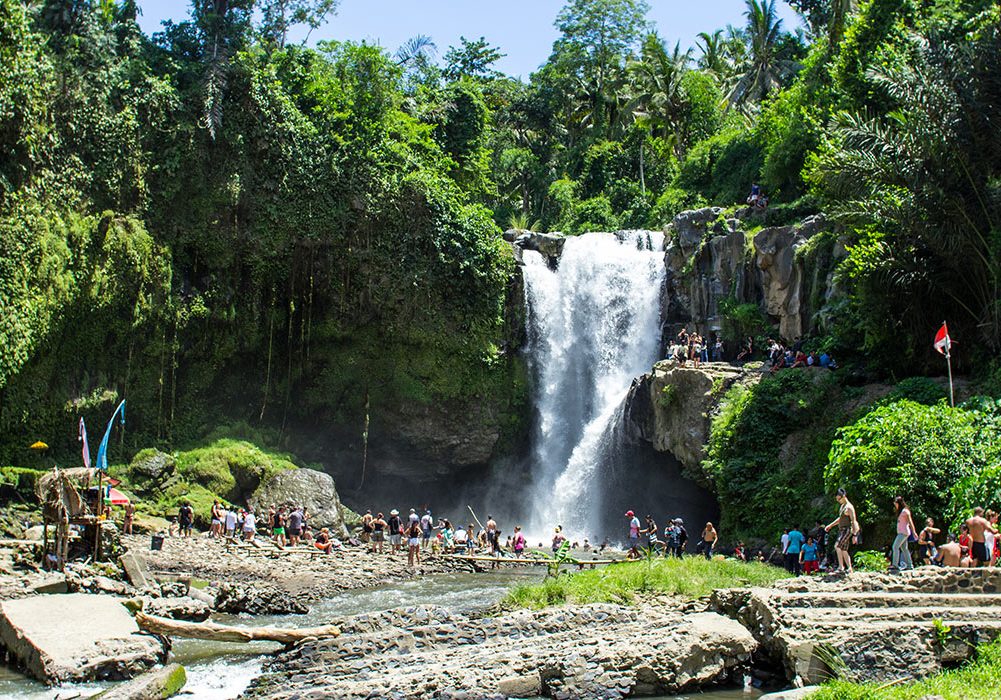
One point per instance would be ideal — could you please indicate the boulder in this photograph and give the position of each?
(257, 600)
(76, 637)
(152, 465)
(671, 407)
(690, 227)
(549, 245)
(158, 684)
(312, 489)
(182, 608)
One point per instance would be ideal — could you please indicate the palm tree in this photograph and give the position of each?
(713, 58)
(656, 95)
(765, 67)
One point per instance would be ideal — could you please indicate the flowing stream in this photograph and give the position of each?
(594, 325)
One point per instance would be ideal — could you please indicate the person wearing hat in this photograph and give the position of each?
(395, 527)
(634, 534)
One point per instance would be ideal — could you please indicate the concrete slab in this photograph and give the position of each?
(135, 569)
(76, 637)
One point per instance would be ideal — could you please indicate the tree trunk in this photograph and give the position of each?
(215, 632)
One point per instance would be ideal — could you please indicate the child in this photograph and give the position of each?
(808, 557)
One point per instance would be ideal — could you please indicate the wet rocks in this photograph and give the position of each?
(181, 608)
(257, 600)
(596, 650)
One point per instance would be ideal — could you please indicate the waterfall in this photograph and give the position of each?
(594, 325)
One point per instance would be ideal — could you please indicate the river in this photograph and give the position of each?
(219, 671)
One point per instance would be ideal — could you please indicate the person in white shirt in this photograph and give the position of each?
(785, 541)
(229, 518)
(249, 525)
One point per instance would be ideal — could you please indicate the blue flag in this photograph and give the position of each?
(102, 451)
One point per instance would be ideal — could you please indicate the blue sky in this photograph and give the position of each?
(522, 28)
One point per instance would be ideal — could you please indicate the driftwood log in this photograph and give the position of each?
(215, 632)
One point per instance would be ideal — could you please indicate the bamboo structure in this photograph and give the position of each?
(215, 632)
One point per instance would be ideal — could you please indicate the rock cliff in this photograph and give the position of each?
(671, 408)
(785, 270)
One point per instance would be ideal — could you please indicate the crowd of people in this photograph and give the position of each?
(645, 537)
(690, 346)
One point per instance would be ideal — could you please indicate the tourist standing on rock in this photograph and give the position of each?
(634, 534)
(295, 523)
(794, 546)
(559, 538)
(278, 527)
(808, 556)
(819, 535)
(848, 529)
(249, 525)
(215, 527)
(650, 532)
(990, 541)
(229, 518)
(366, 527)
(926, 542)
(396, 530)
(682, 537)
(378, 533)
(427, 526)
(130, 512)
(413, 544)
(672, 539)
(709, 539)
(185, 518)
(518, 542)
(900, 557)
(979, 525)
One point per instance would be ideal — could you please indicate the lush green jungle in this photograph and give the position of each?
(238, 234)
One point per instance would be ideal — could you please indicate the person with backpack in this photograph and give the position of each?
(672, 539)
(395, 526)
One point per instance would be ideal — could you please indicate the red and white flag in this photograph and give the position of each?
(943, 343)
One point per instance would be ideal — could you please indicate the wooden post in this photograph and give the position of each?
(100, 513)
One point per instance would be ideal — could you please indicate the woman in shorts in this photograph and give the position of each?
(413, 544)
(378, 533)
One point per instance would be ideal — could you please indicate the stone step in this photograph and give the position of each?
(854, 599)
(844, 616)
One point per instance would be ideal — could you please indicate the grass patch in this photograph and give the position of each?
(691, 577)
(978, 680)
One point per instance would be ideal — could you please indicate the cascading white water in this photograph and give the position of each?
(594, 326)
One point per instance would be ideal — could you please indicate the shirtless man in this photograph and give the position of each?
(950, 553)
(978, 525)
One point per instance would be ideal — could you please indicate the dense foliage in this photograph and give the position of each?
(767, 450)
(917, 451)
(218, 224)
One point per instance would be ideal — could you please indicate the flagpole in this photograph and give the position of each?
(948, 361)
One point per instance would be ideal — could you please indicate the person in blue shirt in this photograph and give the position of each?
(808, 557)
(796, 539)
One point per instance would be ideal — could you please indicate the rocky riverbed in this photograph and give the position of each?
(304, 576)
(589, 651)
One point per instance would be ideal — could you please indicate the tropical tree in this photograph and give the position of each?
(656, 91)
(596, 38)
(920, 185)
(766, 66)
(472, 59)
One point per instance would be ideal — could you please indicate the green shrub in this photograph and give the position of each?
(762, 483)
(980, 679)
(918, 389)
(870, 561)
(909, 449)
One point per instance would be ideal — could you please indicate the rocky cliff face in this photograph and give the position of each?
(712, 258)
(671, 408)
